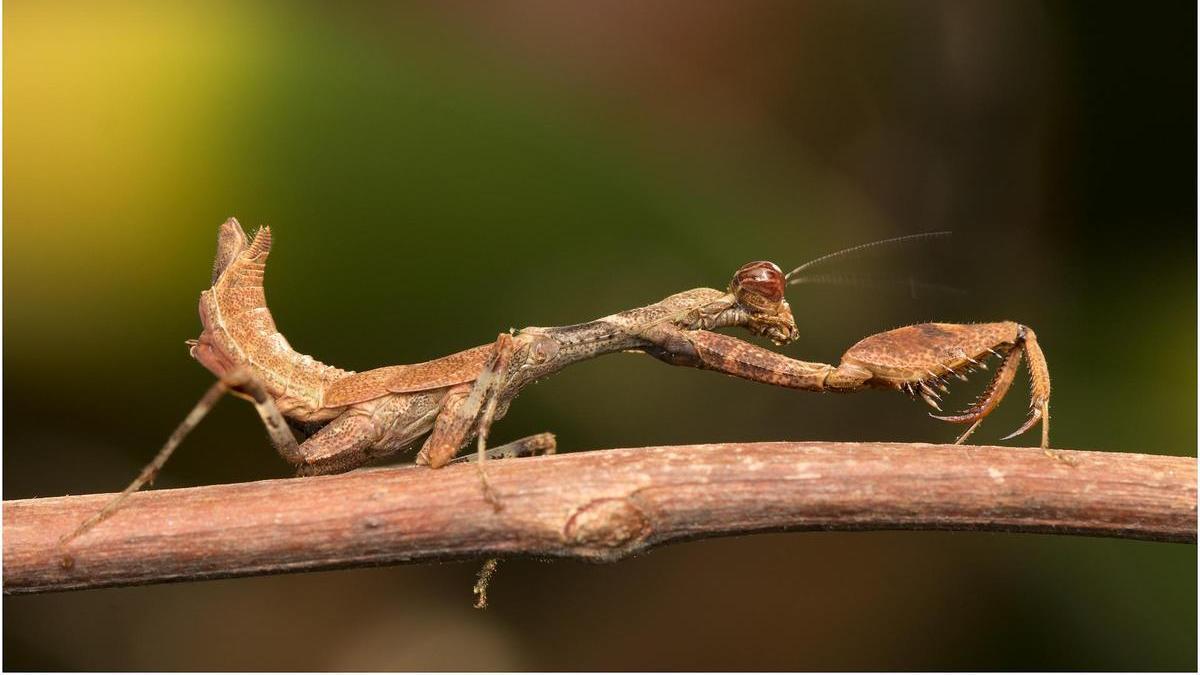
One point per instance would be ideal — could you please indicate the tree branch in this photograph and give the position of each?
(597, 506)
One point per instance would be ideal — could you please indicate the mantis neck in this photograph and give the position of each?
(633, 329)
(595, 338)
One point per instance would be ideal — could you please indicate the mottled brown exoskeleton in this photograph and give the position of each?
(354, 417)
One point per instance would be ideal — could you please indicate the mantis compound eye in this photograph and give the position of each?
(758, 286)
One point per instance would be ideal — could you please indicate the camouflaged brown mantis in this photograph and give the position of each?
(354, 417)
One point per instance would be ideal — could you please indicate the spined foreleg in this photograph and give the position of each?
(916, 359)
(920, 359)
(729, 355)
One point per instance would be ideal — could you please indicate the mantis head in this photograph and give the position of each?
(757, 288)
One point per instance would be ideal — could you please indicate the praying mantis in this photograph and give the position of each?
(355, 418)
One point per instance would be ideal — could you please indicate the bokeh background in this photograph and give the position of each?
(436, 173)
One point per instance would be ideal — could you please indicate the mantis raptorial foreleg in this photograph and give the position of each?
(915, 359)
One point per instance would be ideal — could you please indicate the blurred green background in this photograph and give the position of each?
(436, 173)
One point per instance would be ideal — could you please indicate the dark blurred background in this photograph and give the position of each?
(436, 173)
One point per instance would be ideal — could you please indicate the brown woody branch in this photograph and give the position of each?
(597, 506)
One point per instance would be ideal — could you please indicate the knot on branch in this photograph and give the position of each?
(607, 528)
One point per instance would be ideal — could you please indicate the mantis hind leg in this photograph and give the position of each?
(240, 382)
(529, 446)
(244, 384)
(340, 446)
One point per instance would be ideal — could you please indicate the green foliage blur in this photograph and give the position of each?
(437, 173)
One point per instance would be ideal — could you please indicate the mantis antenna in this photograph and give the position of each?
(913, 284)
(862, 247)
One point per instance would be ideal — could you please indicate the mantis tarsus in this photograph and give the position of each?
(354, 418)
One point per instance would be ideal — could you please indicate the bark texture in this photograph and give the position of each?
(599, 506)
